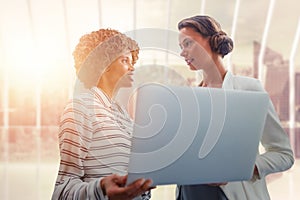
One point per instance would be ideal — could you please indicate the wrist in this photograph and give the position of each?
(102, 185)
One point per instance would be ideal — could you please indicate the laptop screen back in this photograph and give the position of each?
(192, 135)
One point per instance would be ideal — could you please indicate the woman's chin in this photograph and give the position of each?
(192, 67)
(126, 85)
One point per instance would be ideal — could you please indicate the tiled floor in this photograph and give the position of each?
(30, 181)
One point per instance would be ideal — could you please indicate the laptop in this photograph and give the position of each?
(195, 135)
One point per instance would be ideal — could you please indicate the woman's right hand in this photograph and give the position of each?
(115, 188)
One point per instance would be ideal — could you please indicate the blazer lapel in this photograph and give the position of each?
(228, 81)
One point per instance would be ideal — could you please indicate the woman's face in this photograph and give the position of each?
(120, 72)
(195, 48)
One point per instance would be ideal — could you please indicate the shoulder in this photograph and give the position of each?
(79, 105)
(80, 101)
(247, 83)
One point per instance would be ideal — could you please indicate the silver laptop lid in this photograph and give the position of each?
(193, 135)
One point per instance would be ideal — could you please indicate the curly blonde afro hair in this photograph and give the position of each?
(89, 42)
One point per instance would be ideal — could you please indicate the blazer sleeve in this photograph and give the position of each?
(278, 155)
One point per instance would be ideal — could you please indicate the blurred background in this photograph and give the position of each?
(37, 38)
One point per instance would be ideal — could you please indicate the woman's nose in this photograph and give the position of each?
(131, 67)
(183, 53)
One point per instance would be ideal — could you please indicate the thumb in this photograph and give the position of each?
(120, 180)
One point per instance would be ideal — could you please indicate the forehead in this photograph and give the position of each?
(126, 55)
(187, 33)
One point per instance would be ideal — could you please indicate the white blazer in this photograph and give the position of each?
(278, 155)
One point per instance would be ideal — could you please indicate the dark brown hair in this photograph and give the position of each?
(209, 28)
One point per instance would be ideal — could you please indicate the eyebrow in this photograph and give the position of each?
(187, 38)
(128, 57)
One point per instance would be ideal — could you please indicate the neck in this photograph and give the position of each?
(213, 76)
(106, 87)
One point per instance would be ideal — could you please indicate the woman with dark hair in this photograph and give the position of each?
(204, 44)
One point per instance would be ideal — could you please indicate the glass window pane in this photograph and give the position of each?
(22, 104)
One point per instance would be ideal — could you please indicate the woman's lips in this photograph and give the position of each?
(189, 61)
(130, 76)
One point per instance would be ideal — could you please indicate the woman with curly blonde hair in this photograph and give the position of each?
(95, 131)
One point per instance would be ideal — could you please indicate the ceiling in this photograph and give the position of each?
(38, 34)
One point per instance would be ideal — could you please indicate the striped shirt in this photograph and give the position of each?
(95, 141)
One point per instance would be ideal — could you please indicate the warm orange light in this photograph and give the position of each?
(37, 61)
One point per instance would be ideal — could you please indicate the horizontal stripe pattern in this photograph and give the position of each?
(95, 141)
